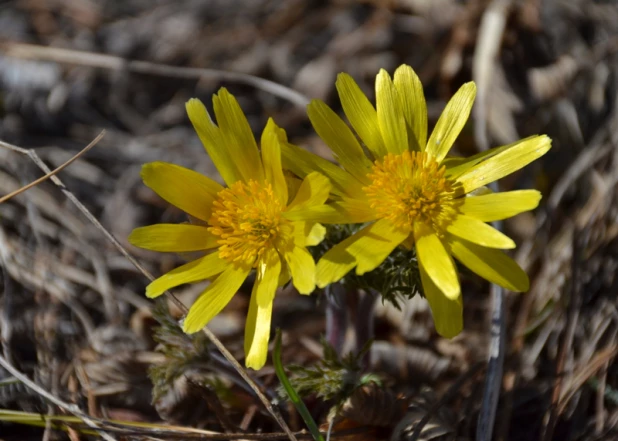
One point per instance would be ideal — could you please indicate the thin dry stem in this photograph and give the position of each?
(82, 58)
(94, 142)
(72, 408)
(488, 45)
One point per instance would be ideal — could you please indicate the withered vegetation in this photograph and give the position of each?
(73, 315)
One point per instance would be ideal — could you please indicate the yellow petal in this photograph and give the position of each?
(237, 136)
(338, 136)
(371, 250)
(335, 264)
(328, 214)
(301, 163)
(490, 264)
(456, 166)
(316, 235)
(314, 190)
(451, 121)
(447, 313)
(498, 206)
(257, 328)
(366, 249)
(198, 270)
(390, 115)
(302, 267)
(292, 182)
(211, 138)
(361, 114)
(408, 244)
(271, 158)
(308, 233)
(436, 261)
(410, 91)
(357, 211)
(344, 211)
(215, 298)
(504, 163)
(190, 191)
(478, 232)
(285, 276)
(173, 237)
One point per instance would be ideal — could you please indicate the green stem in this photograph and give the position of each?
(289, 389)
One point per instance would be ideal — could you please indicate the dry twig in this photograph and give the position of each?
(94, 142)
(72, 408)
(69, 56)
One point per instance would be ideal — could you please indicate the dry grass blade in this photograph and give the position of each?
(141, 429)
(495, 366)
(94, 142)
(567, 341)
(490, 37)
(489, 40)
(37, 160)
(374, 405)
(452, 391)
(30, 51)
(596, 364)
(51, 398)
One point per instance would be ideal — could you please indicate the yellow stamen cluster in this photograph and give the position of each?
(411, 187)
(247, 218)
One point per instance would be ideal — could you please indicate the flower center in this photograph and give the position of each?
(410, 188)
(247, 218)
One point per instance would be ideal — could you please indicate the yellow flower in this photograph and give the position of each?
(402, 185)
(251, 224)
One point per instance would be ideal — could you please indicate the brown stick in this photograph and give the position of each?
(94, 142)
(103, 61)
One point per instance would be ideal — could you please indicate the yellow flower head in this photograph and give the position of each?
(402, 185)
(251, 224)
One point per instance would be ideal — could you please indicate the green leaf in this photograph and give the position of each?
(291, 392)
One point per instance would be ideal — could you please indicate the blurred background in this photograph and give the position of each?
(72, 311)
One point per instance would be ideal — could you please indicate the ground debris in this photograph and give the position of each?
(73, 315)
